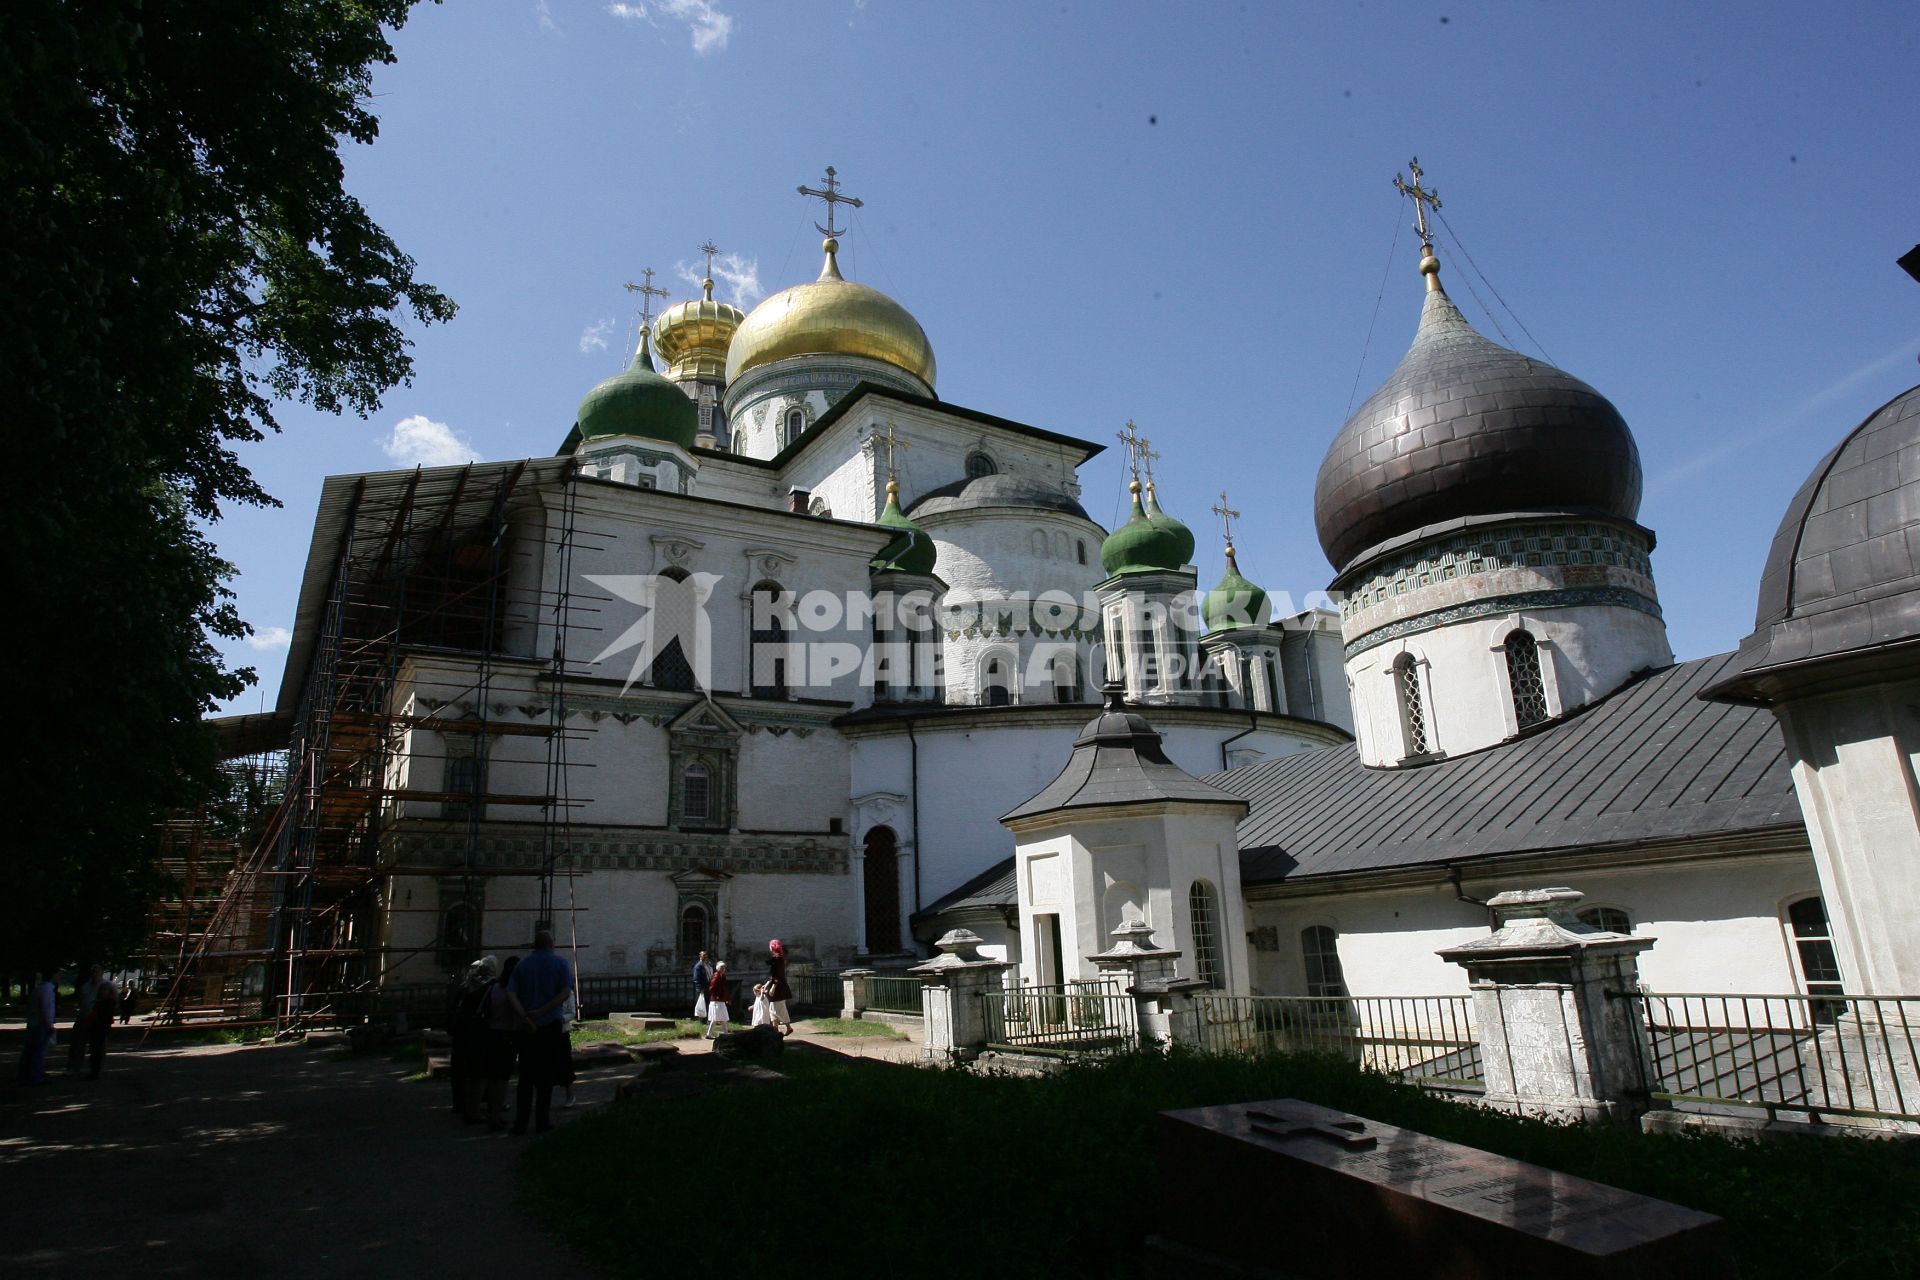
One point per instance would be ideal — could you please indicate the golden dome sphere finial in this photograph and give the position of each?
(706, 289)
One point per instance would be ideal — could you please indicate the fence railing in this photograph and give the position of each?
(1078, 1016)
(1825, 1054)
(819, 989)
(1426, 1039)
(893, 994)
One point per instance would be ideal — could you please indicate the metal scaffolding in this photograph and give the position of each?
(461, 572)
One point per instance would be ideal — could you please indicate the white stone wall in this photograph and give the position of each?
(1720, 926)
(1857, 771)
(1586, 652)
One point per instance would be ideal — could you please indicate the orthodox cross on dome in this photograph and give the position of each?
(1422, 198)
(647, 294)
(890, 442)
(1138, 448)
(712, 250)
(1227, 516)
(831, 194)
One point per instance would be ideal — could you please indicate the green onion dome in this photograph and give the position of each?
(913, 551)
(1141, 546)
(1180, 532)
(639, 402)
(1235, 602)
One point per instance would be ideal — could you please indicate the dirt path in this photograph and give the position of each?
(280, 1161)
(259, 1161)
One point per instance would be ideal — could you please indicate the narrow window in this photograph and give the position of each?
(1413, 713)
(769, 641)
(670, 668)
(996, 692)
(463, 787)
(796, 423)
(1065, 687)
(1813, 948)
(694, 934)
(1203, 908)
(1320, 950)
(1080, 551)
(696, 794)
(1611, 919)
(1523, 677)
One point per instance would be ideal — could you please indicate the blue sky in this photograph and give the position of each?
(1178, 214)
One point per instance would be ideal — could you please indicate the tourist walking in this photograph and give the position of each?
(467, 1028)
(702, 975)
(83, 997)
(542, 983)
(128, 995)
(778, 992)
(718, 992)
(33, 1053)
(505, 1020)
(106, 1003)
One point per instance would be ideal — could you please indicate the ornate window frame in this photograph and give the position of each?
(704, 734)
(1410, 677)
(1502, 670)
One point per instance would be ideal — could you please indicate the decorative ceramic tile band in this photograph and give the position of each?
(1521, 546)
(1566, 598)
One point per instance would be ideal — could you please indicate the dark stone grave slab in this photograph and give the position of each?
(1300, 1189)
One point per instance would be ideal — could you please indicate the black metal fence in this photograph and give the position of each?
(1838, 1055)
(890, 993)
(1424, 1039)
(1086, 1016)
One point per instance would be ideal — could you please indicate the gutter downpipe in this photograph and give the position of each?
(1460, 894)
(913, 751)
(1253, 722)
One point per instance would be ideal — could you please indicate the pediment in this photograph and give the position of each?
(706, 717)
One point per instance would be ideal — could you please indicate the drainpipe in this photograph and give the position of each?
(913, 752)
(1460, 894)
(1253, 722)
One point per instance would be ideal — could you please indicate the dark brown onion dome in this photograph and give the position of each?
(1465, 427)
(1843, 575)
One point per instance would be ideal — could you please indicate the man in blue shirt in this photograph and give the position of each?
(542, 982)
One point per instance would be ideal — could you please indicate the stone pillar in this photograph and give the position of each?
(951, 984)
(1552, 1041)
(853, 992)
(1163, 1005)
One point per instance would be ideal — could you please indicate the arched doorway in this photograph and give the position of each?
(881, 889)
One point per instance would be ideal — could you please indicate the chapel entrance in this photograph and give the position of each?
(881, 889)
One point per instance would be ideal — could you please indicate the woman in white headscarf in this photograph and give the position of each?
(467, 1062)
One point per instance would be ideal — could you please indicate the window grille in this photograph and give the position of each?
(1203, 907)
(1413, 712)
(1612, 919)
(769, 643)
(1320, 949)
(979, 464)
(1523, 677)
(696, 794)
(1813, 947)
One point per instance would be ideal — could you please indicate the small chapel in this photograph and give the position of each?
(781, 644)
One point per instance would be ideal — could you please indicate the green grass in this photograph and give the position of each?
(593, 1032)
(1828, 1207)
(857, 1027)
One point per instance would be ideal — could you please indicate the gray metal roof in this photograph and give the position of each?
(1843, 575)
(994, 491)
(1465, 427)
(1117, 760)
(994, 887)
(1649, 764)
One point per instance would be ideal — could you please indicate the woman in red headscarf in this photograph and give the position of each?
(778, 992)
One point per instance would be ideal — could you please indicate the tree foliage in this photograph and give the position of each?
(177, 253)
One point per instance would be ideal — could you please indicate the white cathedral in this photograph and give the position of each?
(806, 634)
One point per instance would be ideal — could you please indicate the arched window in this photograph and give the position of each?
(1203, 911)
(1320, 951)
(979, 464)
(696, 792)
(1066, 687)
(1413, 712)
(769, 658)
(696, 933)
(1818, 961)
(1611, 919)
(796, 423)
(1080, 550)
(820, 507)
(1037, 544)
(464, 784)
(880, 885)
(996, 683)
(1523, 678)
(670, 668)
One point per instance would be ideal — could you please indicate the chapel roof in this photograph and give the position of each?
(1117, 760)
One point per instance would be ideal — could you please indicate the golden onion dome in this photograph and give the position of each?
(831, 316)
(692, 337)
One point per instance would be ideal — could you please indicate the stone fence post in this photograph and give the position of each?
(1552, 1041)
(1163, 1005)
(954, 1024)
(853, 992)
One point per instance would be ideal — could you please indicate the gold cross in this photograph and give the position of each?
(1227, 516)
(647, 294)
(1421, 197)
(711, 250)
(1138, 447)
(891, 441)
(832, 196)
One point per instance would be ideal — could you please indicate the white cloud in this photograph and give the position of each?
(710, 28)
(270, 638)
(738, 278)
(548, 23)
(419, 441)
(594, 337)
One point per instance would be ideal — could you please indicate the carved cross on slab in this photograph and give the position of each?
(1347, 1132)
